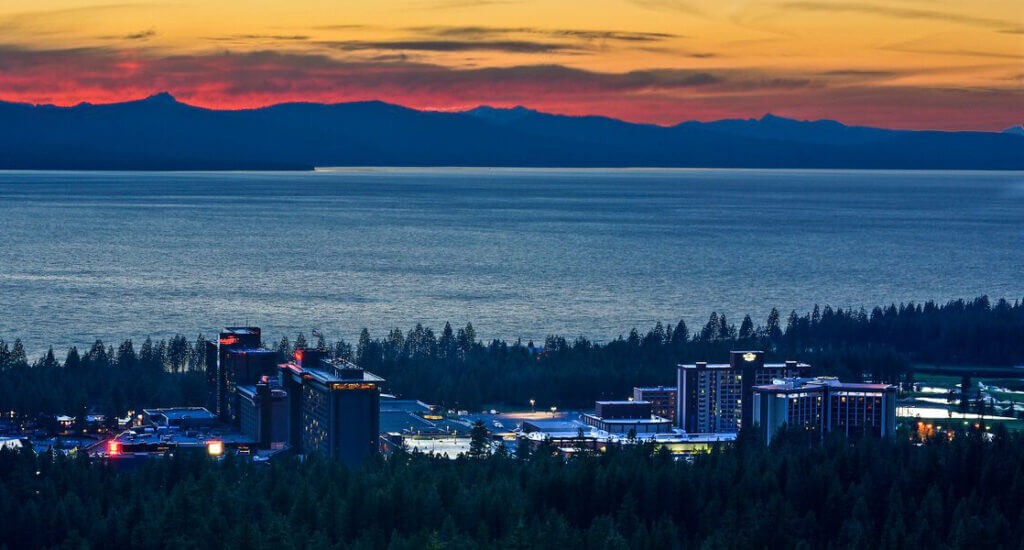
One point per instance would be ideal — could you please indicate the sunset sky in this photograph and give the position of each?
(944, 64)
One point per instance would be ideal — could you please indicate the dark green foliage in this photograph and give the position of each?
(162, 374)
(454, 369)
(967, 493)
(479, 441)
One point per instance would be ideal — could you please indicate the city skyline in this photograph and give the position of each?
(908, 64)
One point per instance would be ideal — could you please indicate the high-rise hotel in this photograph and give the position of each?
(822, 405)
(334, 407)
(715, 398)
(241, 361)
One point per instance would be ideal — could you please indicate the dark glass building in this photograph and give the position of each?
(231, 338)
(263, 413)
(240, 362)
(711, 397)
(333, 406)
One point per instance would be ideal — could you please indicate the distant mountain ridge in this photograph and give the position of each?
(161, 133)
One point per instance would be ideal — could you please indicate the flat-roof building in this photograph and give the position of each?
(711, 397)
(179, 417)
(662, 399)
(334, 407)
(823, 405)
(263, 413)
(240, 361)
(623, 417)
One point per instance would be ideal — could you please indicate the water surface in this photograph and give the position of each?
(520, 253)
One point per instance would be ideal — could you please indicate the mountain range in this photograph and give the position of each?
(161, 133)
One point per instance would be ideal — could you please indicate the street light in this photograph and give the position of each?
(532, 407)
(553, 409)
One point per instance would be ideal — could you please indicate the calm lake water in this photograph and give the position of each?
(520, 253)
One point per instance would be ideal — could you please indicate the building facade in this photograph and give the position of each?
(710, 398)
(233, 343)
(661, 398)
(263, 413)
(333, 406)
(824, 405)
(623, 417)
(243, 367)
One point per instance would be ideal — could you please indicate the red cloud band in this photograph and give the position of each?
(227, 80)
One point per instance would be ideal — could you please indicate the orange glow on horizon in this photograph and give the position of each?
(901, 63)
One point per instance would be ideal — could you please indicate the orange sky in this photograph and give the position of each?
(945, 64)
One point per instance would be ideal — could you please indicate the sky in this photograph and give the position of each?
(935, 64)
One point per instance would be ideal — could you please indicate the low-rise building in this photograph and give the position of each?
(662, 399)
(179, 417)
(624, 417)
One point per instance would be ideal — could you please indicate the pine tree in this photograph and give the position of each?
(681, 334)
(5, 356)
(49, 361)
(363, 348)
(284, 350)
(147, 355)
(18, 358)
(72, 360)
(710, 330)
(447, 347)
(97, 356)
(126, 355)
(343, 350)
(479, 444)
(725, 330)
(746, 328)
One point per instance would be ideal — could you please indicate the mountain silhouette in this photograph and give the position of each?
(161, 133)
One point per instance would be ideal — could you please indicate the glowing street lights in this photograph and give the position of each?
(533, 408)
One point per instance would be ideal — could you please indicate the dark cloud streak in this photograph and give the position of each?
(508, 46)
(583, 34)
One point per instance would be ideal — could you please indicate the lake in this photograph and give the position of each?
(521, 253)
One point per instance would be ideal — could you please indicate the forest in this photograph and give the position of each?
(963, 492)
(455, 368)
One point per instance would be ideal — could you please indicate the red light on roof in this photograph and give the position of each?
(228, 340)
(113, 448)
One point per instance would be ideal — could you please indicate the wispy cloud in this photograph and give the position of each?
(461, 4)
(901, 13)
(259, 37)
(508, 46)
(140, 35)
(584, 34)
(958, 52)
(683, 6)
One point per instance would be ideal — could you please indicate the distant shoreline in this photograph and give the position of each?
(161, 134)
(520, 169)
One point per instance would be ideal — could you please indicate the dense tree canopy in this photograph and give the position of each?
(964, 493)
(454, 368)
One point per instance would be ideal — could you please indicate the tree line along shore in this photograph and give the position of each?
(453, 368)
